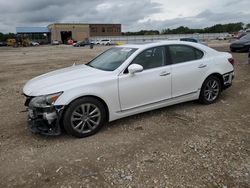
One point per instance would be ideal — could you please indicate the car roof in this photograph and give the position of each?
(168, 42)
(145, 46)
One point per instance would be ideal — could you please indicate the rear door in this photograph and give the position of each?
(188, 69)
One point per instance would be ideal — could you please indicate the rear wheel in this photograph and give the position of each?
(84, 117)
(210, 90)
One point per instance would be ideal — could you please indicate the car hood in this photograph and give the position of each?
(62, 79)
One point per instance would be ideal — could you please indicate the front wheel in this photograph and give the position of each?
(84, 117)
(210, 90)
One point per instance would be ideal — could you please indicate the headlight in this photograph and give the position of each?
(51, 99)
(44, 101)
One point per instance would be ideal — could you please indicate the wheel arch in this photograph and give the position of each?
(202, 99)
(97, 98)
(219, 76)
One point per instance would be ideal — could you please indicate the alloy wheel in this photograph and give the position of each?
(85, 118)
(212, 90)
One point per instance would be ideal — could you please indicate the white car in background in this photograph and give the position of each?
(55, 42)
(194, 40)
(103, 42)
(34, 43)
(123, 81)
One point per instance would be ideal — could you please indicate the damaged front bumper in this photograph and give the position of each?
(44, 120)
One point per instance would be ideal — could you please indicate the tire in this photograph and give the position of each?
(233, 50)
(210, 90)
(84, 117)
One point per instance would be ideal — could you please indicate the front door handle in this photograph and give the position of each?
(202, 66)
(165, 73)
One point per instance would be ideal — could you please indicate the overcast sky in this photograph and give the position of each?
(133, 15)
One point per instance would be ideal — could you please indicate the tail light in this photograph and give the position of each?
(232, 61)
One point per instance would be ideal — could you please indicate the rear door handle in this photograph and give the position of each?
(165, 73)
(202, 66)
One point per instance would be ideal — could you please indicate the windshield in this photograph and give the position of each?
(112, 58)
(246, 37)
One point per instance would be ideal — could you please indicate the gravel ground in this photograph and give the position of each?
(186, 145)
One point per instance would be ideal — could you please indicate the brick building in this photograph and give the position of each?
(64, 31)
(80, 31)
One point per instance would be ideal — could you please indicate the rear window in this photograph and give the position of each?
(183, 53)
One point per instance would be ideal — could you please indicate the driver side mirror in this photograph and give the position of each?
(135, 68)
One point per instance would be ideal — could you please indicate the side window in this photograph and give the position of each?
(199, 54)
(183, 53)
(151, 58)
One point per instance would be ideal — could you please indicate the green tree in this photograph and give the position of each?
(4, 37)
(218, 28)
(1, 37)
(142, 32)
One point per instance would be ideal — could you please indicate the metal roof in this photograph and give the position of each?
(32, 30)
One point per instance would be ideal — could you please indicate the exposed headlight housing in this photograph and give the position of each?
(45, 100)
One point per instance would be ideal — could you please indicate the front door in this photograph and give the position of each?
(151, 85)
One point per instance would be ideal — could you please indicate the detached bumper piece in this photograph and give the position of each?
(45, 121)
(228, 78)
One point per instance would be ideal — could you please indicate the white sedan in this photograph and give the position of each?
(34, 43)
(123, 81)
(103, 42)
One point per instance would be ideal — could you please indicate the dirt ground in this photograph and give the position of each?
(186, 145)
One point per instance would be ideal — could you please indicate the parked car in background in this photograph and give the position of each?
(71, 42)
(123, 81)
(241, 45)
(3, 43)
(34, 43)
(193, 40)
(221, 38)
(55, 42)
(83, 43)
(239, 35)
(103, 42)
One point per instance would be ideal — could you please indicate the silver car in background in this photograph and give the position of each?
(193, 40)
